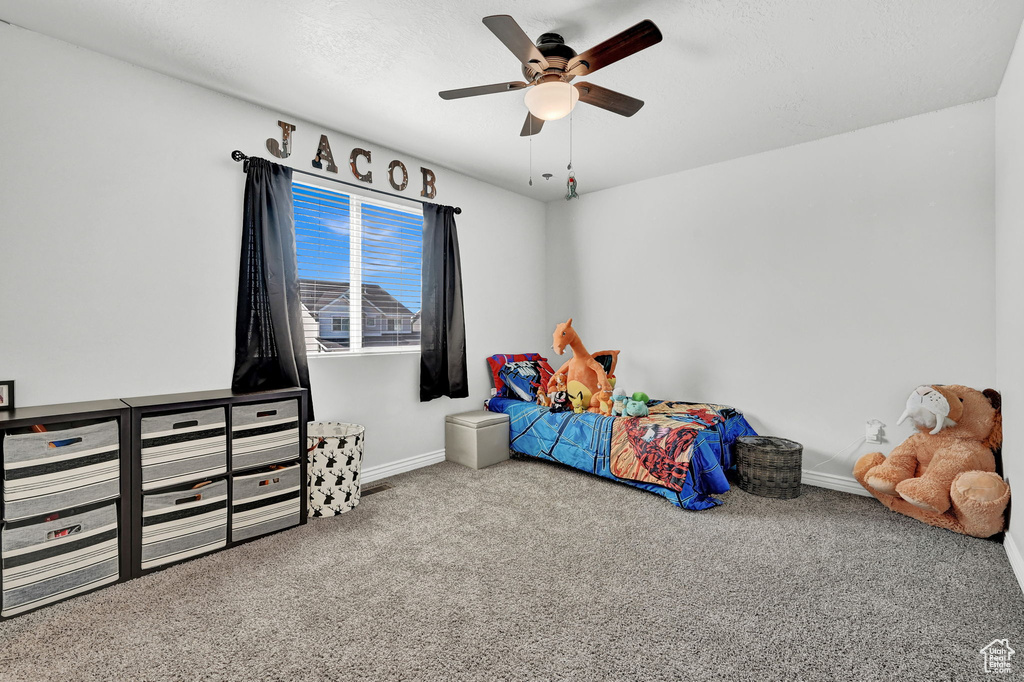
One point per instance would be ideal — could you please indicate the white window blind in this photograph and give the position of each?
(359, 272)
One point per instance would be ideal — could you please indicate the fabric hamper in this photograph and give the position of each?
(769, 466)
(184, 446)
(55, 558)
(53, 470)
(265, 501)
(184, 523)
(334, 458)
(264, 433)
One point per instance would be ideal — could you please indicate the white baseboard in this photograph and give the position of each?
(846, 484)
(1016, 560)
(370, 474)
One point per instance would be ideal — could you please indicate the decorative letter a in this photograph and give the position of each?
(323, 153)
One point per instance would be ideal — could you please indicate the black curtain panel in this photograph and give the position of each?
(270, 346)
(443, 335)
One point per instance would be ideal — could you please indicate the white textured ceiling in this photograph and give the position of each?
(731, 77)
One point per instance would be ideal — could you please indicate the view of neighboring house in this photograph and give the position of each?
(328, 322)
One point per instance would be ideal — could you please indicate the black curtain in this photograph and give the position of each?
(443, 335)
(270, 347)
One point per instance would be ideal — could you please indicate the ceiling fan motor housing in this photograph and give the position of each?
(558, 54)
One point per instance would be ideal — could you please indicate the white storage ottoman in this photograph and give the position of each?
(476, 439)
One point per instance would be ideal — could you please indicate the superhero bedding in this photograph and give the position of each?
(681, 451)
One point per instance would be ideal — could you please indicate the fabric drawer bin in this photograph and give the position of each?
(181, 447)
(184, 523)
(264, 433)
(45, 472)
(46, 561)
(264, 502)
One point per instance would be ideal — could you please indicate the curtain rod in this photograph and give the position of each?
(239, 156)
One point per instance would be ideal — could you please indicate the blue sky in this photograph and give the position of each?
(392, 242)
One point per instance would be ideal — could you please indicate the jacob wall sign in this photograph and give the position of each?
(397, 173)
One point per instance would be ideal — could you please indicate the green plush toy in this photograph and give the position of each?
(642, 397)
(635, 408)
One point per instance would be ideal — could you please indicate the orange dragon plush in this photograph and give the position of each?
(944, 475)
(585, 376)
(604, 403)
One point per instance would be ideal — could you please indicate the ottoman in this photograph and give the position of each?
(476, 439)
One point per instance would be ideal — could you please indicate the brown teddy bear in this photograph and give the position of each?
(944, 475)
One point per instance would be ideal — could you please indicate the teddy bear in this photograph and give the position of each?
(945, 474)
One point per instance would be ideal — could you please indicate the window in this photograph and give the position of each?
(359, 271)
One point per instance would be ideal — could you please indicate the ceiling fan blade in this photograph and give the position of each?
(532, 125)
(482, 90)
(630, 41)
(616, 102)
(508, 31)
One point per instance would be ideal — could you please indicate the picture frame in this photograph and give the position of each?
(6, 395)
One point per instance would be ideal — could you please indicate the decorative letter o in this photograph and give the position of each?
(391, 175)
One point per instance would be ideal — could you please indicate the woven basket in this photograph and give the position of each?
(768, 466)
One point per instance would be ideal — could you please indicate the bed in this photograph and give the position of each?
(681, 451)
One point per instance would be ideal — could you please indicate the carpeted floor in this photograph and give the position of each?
(530, 571)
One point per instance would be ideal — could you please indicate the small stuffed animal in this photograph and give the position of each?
(558, 394)
(560, 401)
(577, 403)
(619, 399)
(635, 408)
(604, 403)
(542, 397)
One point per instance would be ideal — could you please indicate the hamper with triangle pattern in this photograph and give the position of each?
(334, 458)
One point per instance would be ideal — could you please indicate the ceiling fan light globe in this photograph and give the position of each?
(551, 101)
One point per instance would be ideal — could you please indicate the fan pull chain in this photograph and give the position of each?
(570, 184)
(531, 150)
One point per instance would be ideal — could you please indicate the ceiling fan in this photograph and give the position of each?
(550, 65)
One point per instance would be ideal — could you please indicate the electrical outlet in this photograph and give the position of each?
(873, 432)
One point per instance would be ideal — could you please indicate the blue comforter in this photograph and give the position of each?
(584, 441)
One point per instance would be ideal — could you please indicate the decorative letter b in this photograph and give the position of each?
(429, 191)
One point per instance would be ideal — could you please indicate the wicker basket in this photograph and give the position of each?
(768, 466)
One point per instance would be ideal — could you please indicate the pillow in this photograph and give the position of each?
(498, 362)
(521, 379)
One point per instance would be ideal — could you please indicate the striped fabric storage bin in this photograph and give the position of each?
(185, 523)
(45, 561)
(264, 433)
(184, 446)
(45, 472)
(264, 502)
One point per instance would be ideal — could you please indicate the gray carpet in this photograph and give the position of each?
(527, 570)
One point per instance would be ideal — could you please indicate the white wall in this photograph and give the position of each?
(812, 287)
(1009, 152)
(120, 216)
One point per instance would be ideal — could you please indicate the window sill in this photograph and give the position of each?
(367, 352)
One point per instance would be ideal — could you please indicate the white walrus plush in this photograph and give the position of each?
(927, 408)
